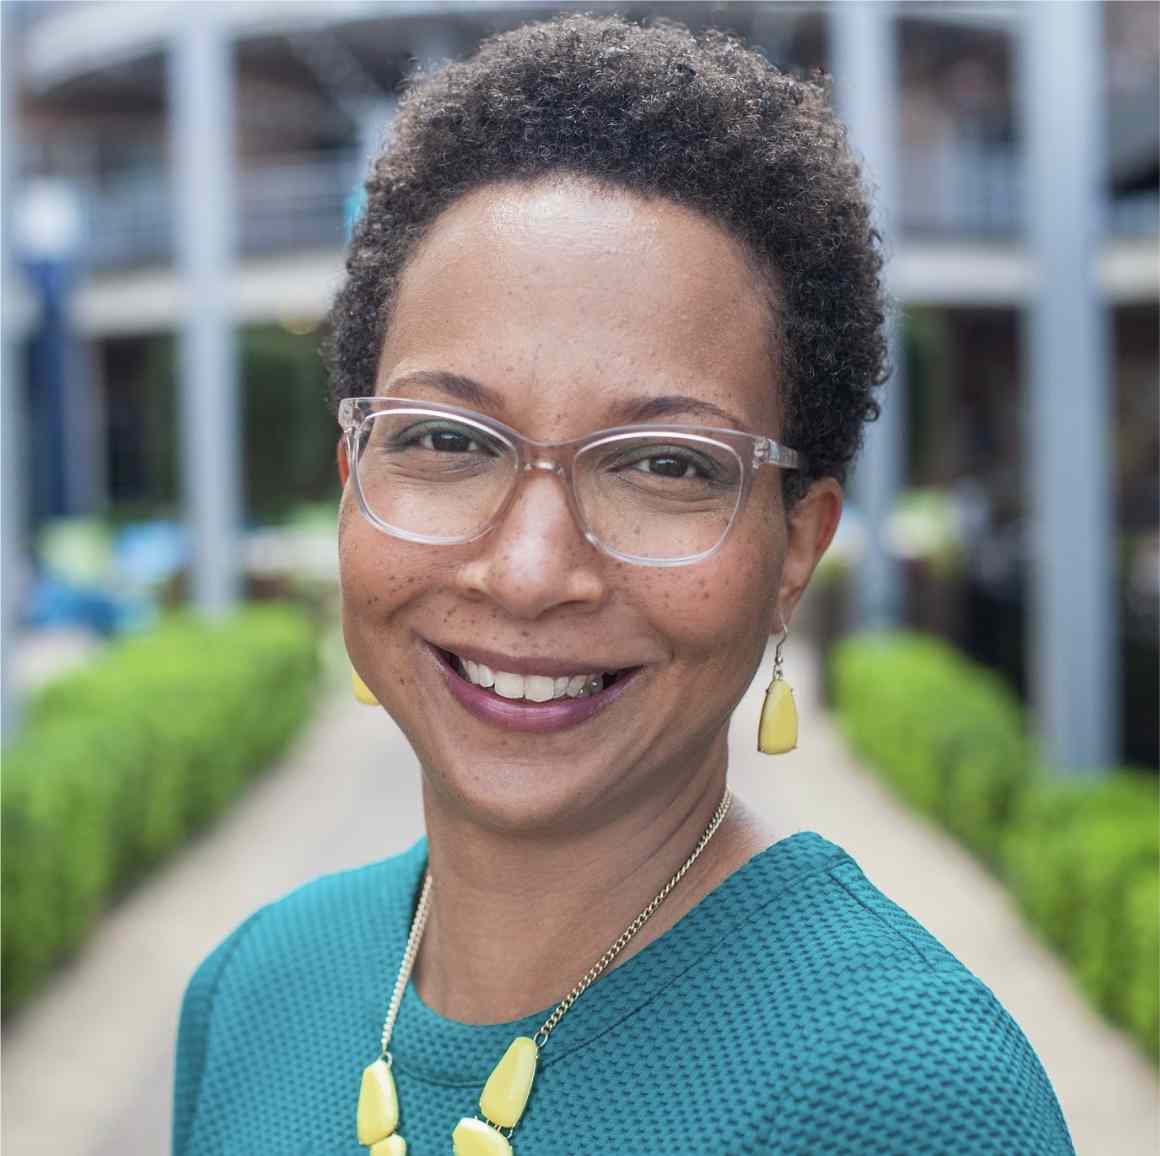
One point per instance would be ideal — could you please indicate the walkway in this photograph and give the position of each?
(348, 794)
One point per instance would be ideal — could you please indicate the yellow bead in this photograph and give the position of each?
(362, 692)
(392, 1146)
(378, 1104)
(777, 732)
(505, 1095)
(475, 1138)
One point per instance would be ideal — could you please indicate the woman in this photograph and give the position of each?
(612, 325)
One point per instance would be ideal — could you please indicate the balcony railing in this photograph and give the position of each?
(304, 202)
(955, 189)
(958, 189)
(298, 203)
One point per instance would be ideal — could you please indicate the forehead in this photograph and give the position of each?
(565, 301)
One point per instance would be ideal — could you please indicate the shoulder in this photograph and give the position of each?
(899, 1047)
(285, 959)
(804, 898)
(924, 1063)
(338, 912)
(333, 913)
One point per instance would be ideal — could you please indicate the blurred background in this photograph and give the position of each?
(978, 653)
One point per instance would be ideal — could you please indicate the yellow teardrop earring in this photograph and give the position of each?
(777, 731)
(362, 692)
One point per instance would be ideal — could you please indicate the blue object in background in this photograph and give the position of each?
(353, 208)
(53, 604)
(52, 281)
(119, 598)
(149, 554)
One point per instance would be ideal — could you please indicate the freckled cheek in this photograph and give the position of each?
(711, 609)
(721, 606)
(376, 573)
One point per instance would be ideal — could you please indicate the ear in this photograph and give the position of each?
(810, 527)
(343, 462)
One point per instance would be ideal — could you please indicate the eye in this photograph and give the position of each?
(670, 465)
(444, 438)
(450, 441)
(670, 462)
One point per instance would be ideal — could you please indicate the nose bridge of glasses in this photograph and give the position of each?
(549, 460)
(555, 459)
(551, 465)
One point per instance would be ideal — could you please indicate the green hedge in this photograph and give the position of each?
(122, 760)
(1084, 860)
(947, 734)
(1082, 856)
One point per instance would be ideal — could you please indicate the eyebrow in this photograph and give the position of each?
(477, 395)
(462, 388)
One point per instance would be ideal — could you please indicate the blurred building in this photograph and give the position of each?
(313, 88)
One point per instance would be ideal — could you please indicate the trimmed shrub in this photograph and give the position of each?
(1061, 822)
(947, 734)
(1081, 855)
(124, 759)
(1141, 996)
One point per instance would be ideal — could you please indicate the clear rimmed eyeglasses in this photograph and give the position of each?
(649, 494)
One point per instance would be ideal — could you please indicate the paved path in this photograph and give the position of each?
(348, 793)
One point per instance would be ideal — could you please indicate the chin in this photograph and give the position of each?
(515, 796)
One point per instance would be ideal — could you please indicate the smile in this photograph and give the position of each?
(551, 699)
(532, 687)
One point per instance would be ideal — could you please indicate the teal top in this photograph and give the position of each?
(795, 1009)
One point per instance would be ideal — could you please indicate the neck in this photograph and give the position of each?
(517, 919)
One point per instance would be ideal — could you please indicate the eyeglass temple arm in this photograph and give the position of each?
(766, 450)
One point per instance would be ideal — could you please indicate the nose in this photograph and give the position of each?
(537, 558)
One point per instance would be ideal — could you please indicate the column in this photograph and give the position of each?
(1072, 544)
(12, 428)
(202, 147)
(863, 56)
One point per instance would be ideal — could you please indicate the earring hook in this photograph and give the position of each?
(777, 659)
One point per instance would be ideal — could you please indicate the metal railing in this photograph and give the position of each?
(960, 189)
(957, 189)
(283, 205)
(303, 202)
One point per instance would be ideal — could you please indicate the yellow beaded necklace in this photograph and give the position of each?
(505, 1095)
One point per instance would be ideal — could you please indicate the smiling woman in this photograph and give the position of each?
(610, 333)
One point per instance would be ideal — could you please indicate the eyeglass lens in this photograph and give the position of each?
(656, 497)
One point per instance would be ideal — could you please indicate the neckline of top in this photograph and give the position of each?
(449, 1052)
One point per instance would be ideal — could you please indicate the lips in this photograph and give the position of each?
(529, 706)
(530, 686)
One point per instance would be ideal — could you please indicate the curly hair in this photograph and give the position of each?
(657, 110)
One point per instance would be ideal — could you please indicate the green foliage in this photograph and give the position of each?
(290, 433)
(1081, 855)
(1141, 998)
(946, 733)
(124, 759)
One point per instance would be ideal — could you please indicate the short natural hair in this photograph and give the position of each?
(655, 109)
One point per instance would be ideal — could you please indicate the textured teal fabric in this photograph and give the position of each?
(795, 1010)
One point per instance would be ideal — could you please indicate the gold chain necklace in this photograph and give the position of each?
(505, 1095)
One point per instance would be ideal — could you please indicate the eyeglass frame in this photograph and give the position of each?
(558, 458)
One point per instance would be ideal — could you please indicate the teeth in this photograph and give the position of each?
(532, 687)
(509, 685)
(537, 688)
